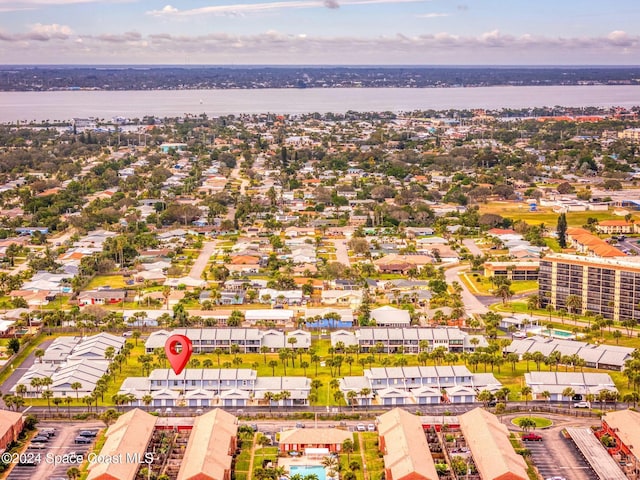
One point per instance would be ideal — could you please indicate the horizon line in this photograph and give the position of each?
(293, 65)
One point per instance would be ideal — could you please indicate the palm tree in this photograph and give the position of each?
(525, 392)
(348, 447)
(75, 386)
(48, 395)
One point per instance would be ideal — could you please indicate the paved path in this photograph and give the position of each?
(471, 304)
(19, 371)
(201, 262)
(342, 252)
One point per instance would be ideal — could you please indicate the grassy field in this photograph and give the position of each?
(113, 281)
(540, 422)
(482, 285)
(372, 456)
(520, 211)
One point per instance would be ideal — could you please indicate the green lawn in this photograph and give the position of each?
(520, 211)
(372, 456)
(540, 422)
(113, 281)
(482, 285)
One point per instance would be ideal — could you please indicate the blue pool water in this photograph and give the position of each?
(307, 470)
(559, 333)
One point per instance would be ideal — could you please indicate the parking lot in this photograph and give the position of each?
(558, 456)
(51, 460)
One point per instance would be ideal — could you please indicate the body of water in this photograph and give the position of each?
(38, 106)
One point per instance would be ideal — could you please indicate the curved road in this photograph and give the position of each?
(471, 304)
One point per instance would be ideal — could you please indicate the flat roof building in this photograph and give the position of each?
(605, 286)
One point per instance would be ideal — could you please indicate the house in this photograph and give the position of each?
(393, 396)
(349, 298)
(11, 424)
(388, 316)
(555, 383)
(460, 394)
(606, 357)
(426, 395)
(106, 296)
(404, 446)
(301, 439)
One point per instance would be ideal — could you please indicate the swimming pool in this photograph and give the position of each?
(558, 333)
(304, 470)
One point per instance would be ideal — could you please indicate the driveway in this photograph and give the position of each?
(201, 262)
(471, 304)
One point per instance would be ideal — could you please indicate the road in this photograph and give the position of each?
(472, 247)
(20, 371)
(342, 252)
(471, 304)
(201, 262)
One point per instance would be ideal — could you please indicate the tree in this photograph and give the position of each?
(39, 353)
(13, 345)
(568, 392)
(75, 386)
(348, 447)
(526, 423)
(561, 230)
(526, 392)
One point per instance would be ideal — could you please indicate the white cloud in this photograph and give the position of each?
(246, 8)
(433, 15)
(43, 42)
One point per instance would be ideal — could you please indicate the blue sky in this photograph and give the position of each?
(429, 32)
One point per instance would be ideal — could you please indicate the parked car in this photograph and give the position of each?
(531, 437)
(361, 428)
(49, 432)
(40, 439)
(577, 397)
(300, 425)
(371, 427)
(581, 405)
(88, 433)
(492, 403)
(82, 440)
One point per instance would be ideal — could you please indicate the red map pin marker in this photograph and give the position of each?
(178, 359)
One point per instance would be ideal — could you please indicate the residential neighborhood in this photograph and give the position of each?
(326, 268)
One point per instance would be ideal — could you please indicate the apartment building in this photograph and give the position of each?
(409, 340)
(605, 286)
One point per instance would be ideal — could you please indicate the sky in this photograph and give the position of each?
(320, 32)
